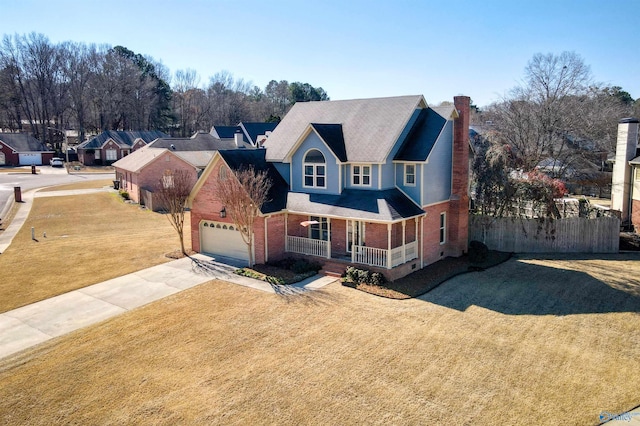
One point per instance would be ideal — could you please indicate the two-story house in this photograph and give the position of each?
(381, 183)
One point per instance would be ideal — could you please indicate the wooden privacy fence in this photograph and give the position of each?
(568, 235)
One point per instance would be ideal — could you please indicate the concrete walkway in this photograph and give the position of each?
(35, 323)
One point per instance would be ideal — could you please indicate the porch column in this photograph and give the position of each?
(389, 246)
(353, 249)
(286, 232)
(404, 241)
(328, 238)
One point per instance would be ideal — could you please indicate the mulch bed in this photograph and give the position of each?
(422, 281)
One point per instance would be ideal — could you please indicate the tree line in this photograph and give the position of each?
(558, 125)
(46, 86)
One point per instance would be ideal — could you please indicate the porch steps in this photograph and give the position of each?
(333, 268)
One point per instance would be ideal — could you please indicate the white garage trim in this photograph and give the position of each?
(30, 159)
(222, 239)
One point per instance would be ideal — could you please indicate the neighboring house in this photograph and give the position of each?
(381, 183)
(625, 183)
(112, 145)
(20, 149)
(253, 133)
(199, 148)
(140, 173)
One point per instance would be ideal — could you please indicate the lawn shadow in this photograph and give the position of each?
(212, 268)
(520, 288)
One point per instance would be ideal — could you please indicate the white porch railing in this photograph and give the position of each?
(378, 257)
(369, 256)
(307, 246)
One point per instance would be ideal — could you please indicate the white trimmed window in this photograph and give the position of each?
(443, 228)
(319, 229)
(314, 170)
(410, 174)
(361, 175)
(96, 154)
(111, 155)
(637, 174)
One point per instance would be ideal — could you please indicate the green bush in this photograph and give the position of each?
(124, 194)
(377, 279)
(364, 276)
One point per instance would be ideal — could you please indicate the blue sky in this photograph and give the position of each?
(354, 48)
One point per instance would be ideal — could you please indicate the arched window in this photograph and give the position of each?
(314, 169)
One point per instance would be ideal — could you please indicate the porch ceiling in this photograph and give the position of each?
(388, 205)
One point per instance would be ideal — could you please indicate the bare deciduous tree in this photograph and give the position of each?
(172, 192)
(243, 193)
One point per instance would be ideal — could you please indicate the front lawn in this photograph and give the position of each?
(89, 238)
(535, 340)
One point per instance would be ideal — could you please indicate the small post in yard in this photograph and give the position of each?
(33, 169)
(33, 233)
(17, 193)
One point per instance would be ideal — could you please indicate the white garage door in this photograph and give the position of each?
(29, 159)
(222, 239)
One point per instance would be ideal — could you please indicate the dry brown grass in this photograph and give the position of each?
(531, 341)
(90, 238)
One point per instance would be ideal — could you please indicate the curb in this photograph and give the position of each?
(7, 207)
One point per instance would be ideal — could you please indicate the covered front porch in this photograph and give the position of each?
(377, 244)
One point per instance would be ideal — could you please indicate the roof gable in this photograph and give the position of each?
(422, 137)
(332, 135)
(141, 158)
(237, 159)
(371, 127)
(254, 130)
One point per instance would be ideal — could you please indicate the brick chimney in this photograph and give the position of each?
(459, 204)
(626, 150)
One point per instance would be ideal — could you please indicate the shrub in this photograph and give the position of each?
(301, 266)
(377, 279)
(351, 274)
(124, 194)
(478, 251)
(364, 276)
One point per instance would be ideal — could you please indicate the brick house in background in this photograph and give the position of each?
(20, 149)
(140, 173)
(111, 145)
(377, 183)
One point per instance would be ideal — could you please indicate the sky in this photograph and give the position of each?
(354, 48)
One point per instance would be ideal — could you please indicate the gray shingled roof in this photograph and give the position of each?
(138, 159)
(21, 142)
(122, 138)
(387, 205)
(370, 126)
(200, 141)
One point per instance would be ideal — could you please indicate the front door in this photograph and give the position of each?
(355, 233)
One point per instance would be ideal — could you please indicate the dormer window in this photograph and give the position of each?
(314, 170)
(361, 175)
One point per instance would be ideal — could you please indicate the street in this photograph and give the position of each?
(47, 176)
